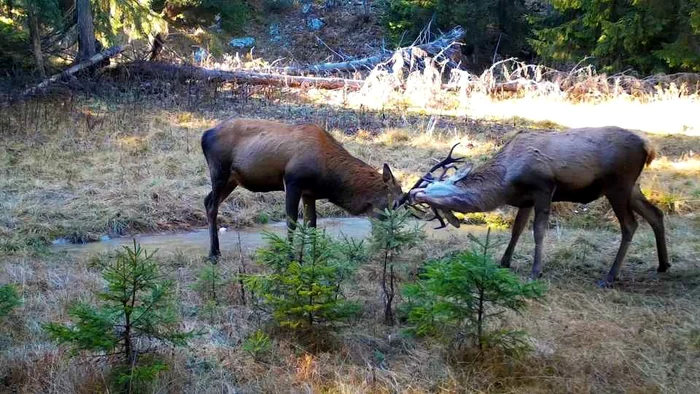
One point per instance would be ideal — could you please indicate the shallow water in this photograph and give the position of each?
(251, 238)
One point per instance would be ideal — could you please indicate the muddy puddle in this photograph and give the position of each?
(251, 238)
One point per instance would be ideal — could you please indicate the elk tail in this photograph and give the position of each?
(207, 142)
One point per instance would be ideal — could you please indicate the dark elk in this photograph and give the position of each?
(534, 169)
(302, 160)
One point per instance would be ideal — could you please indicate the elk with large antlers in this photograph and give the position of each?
(303, 160)
(534, 169)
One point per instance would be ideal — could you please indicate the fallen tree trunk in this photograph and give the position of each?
(188, 72)
(352, 65)
(72, 70)
(434, 48)
(185, 72)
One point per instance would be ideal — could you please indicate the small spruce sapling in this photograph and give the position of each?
(391, 235)
(258, 344)
(208, 285)
(353, 250)
(136, 311)
(9, 299)
(459, 295)
(305, 290)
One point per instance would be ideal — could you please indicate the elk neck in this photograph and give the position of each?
(484, 189)
(353, 184)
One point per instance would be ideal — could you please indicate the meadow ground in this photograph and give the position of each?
(116, 164)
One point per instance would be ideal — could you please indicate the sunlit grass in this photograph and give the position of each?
(671, 109)
(672, 116)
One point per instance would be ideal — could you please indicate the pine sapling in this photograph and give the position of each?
(135, 311)
(303, 291)
(391, 235)
(9, 299)
(459, 297)
(209, 281)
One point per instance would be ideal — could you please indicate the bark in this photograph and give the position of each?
(74, 69)
(86, 31)
(35, 37)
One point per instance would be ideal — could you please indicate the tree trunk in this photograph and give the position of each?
(35, 37)
(156, 48)
(86, 31)
(389, 311)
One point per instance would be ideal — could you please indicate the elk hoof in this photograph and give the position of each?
(663, 268)
(214, 258)
(533, 277)
(605, 284)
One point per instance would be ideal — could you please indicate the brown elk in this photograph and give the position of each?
(302, 160)
(534, 169)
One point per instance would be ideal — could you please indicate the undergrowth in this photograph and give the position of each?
(458, 297)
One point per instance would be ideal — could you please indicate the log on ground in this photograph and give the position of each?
(188, 72)
(113, 51)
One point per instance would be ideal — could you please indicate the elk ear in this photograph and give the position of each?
(387, 176)
(460, 174)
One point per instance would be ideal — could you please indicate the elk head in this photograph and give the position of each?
(391, 195)
(440, 185)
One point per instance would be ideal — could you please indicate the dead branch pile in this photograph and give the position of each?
(427, 69)
(441, 50)
(512, 77)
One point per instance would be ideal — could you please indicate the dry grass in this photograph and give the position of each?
(82, 168)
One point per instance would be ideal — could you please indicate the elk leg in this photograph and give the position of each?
(309, 211)
(628, 225)
(518, 227)
(540, 227)
(655, 218)
(291, 202)
(219, 192)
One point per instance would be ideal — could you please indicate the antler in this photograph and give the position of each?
(439, 218)
(445, 164)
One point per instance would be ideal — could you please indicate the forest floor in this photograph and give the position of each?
(116, 164)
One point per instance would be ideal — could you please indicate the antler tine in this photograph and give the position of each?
(439, 219)
(444, 171)
(415, 215)
(449, 155)
(436, 214)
